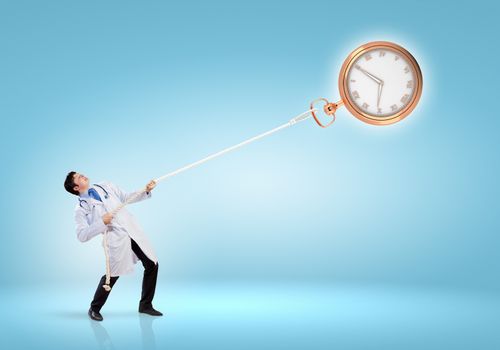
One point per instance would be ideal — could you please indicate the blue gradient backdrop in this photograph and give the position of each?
(127, 91)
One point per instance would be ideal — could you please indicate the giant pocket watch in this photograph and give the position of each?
(380, 83)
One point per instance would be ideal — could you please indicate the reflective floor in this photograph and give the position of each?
(250, 316)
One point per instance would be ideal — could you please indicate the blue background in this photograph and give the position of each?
(127, 91)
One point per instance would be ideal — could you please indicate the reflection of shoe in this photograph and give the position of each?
(150, 311)
(96, 316)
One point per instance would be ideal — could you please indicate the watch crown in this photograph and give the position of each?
(330, 108)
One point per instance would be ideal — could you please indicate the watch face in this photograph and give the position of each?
(380, 83)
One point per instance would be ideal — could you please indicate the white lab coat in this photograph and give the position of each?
(88, 217)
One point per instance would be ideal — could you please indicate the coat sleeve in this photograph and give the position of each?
(124, 196)
(84, 231)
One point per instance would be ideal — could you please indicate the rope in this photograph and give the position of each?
(106, 285)
(301, 117)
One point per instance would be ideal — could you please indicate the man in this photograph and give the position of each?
(127, 243)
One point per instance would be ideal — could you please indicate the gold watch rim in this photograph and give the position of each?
(354, 109)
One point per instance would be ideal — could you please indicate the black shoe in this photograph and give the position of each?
(150, 311)
(96, 316)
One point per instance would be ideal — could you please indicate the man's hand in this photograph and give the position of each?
(106, 218)
(150, 185)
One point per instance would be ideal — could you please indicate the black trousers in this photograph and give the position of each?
(148, 283)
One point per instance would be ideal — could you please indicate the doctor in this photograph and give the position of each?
(127, 243)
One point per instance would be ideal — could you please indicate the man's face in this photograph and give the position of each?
(81, 183)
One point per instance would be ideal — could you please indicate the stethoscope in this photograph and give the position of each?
(106, 196)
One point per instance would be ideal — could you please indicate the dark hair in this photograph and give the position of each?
(69, 185)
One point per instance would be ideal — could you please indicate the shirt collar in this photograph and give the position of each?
(86, 194)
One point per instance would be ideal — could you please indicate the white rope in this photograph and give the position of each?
(293, 121)
(301, 117)
(107, 284)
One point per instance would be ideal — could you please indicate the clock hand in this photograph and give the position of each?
(380, 86)
(379, 81)
(374, 78)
